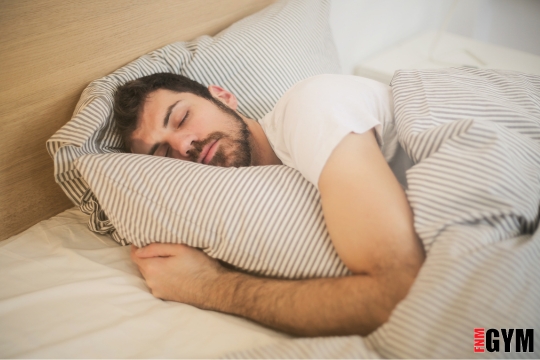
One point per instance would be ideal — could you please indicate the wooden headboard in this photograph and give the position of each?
(50, 51)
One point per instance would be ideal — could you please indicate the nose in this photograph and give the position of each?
(181, 143)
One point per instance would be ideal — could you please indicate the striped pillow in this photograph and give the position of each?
(266, 219)
(257, 59)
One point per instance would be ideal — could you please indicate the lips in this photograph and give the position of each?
(209, 151)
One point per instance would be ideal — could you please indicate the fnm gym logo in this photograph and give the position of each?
(490, 340)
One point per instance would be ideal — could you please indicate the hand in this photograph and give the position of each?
(178, 272)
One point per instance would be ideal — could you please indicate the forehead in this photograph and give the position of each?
(161, 97)
(157, 103)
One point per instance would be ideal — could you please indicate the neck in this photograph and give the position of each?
(262, 152)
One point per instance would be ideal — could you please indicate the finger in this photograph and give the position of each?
(132, 253)
(159, 250)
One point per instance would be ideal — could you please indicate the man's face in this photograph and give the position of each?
(188, 127)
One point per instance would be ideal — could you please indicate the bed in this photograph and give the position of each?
(68, 292)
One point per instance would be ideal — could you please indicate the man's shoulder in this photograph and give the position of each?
(321, 93)
(336, 81)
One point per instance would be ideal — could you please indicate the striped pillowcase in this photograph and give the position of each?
(257, 59)
(266, 219)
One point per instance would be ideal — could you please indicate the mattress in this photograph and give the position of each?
(66, 292)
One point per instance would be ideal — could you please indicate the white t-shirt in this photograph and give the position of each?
(312, 118)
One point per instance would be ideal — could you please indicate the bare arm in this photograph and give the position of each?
(348, 305)
(366, 211)
(370, 224)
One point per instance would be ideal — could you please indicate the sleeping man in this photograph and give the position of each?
(338, 132)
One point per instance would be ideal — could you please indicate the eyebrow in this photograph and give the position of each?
(165, 123)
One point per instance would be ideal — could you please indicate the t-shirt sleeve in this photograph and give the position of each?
(317, 117)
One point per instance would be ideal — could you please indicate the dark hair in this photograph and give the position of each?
(129, 98)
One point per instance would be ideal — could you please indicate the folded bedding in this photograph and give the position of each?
(474, 136)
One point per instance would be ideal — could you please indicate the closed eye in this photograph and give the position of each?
(185, 117)
(168, 152)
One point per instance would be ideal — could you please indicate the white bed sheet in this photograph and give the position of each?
(66, 292)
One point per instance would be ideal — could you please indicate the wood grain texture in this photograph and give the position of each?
(50, 51)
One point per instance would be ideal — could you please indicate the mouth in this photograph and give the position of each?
(208, 152)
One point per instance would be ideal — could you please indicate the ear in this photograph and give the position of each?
(224, 96)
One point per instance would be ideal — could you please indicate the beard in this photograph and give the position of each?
(237, 141)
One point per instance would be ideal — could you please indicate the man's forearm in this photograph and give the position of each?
(355, 304)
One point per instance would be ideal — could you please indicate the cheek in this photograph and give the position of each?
(211, 119)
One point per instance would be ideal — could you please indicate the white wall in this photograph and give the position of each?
(364, 27)
(510, 23)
